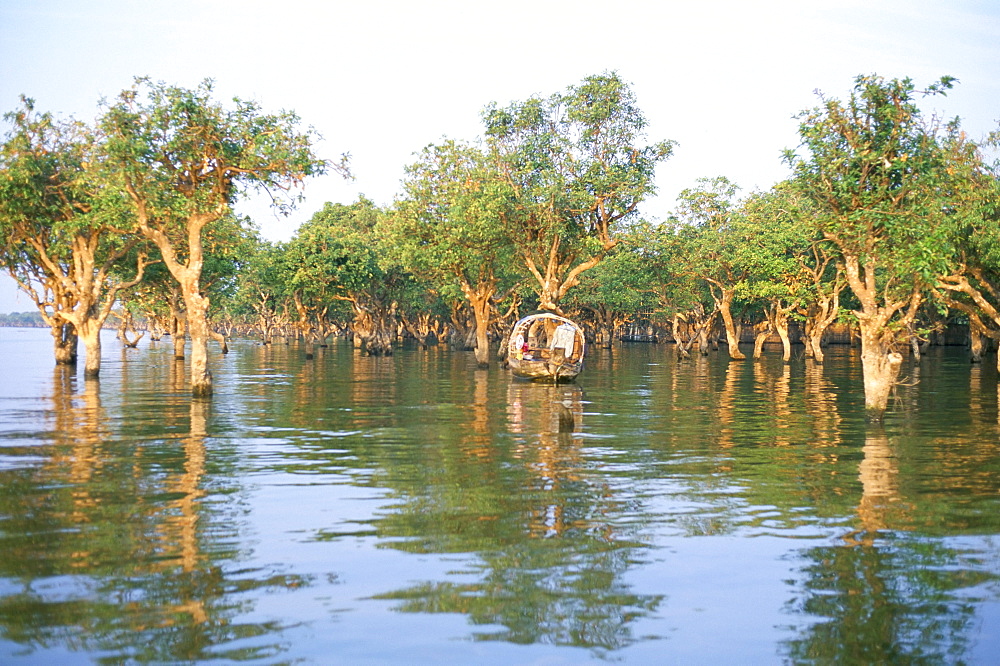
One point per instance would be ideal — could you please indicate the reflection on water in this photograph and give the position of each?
(413, 508)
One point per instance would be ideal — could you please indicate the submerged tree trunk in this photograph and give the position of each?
(975, 345)
(480, 298)
(814, 343)
(90, 332)
(374, 328)
(680, 348)
(178, 337)
(880, 363)
(761, 333)
(198, 330)
(698, 324)
(880, 368)
(778, 317)
(65, 343)
(725, 304)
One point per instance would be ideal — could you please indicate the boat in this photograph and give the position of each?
(546, 346)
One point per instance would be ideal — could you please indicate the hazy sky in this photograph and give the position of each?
(380, 79)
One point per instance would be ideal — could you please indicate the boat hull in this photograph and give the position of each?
(542, 370)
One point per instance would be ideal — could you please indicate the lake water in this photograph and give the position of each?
(416, 510)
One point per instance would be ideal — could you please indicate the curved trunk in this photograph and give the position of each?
(607, 335)
(880, 364)
(462, 334)
(732, 335)
(762, 332)
(680, 348)
(379, 343)
(703, 342)
(470, 339)
(781, 325)
(815, 343)
(819, 316)
(220, 338)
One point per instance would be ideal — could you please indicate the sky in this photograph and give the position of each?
(381, 79)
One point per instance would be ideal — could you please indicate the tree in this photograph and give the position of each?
(682, 300)
(447, 229)
(576, 170)
(183, 159)
(789, 268)
(338, 253)
(715, 247)
(817, 278)
(61, 234)
(972, 287)
(615, 291)
(874, 169)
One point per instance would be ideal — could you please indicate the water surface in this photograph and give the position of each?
(414, 509)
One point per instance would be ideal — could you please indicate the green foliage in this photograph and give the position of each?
(447, 228)
(576, 169)
(623, 283)
(779, 246)
(335, 252)
(62, 234)
(713, 237)
(44, 173)
(663, 250)
(878, 174)
(338, 255)
(184, 154)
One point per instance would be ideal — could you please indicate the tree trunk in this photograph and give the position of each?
(221, 339)
(880, 364)
(680, 348)
(781, 325)
(197, 325)
(178, 338)
(880, 368)
(732, 335)
(90, 331)
(975, 345)
(815, 343)
(480, 300)
(374, 327)
(763, 331)
(65, 343)
(703, 345)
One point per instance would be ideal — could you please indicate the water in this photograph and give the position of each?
(414, 509)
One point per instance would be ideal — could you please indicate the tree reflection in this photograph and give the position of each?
(728, 398)
(821, 406)
(103, 551)
(884, 596)
(548, 561)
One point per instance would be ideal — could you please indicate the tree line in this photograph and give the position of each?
(888, 220)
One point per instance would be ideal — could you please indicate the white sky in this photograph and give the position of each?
(380, 79)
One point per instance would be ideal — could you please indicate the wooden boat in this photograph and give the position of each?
(545, 346)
